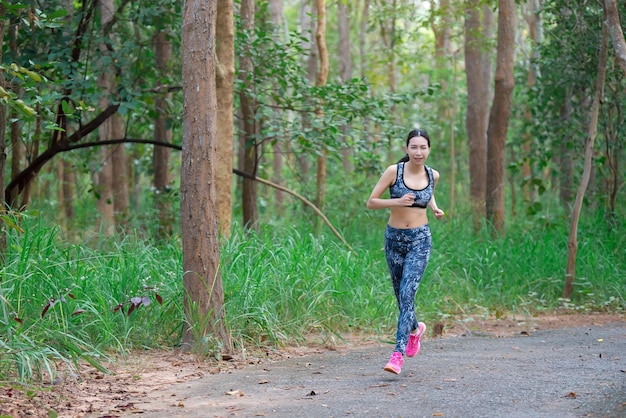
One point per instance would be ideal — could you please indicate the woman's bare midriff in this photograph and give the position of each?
(407, 218)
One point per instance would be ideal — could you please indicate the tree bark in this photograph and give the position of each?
(225, 35)
(277, 16)
(535, 30)
(617, 35)
(478, 27)
(119, 178)
(204, 294)
(322, 77)
(249, 193)
(499, 116)
(104, 177)
(572, 244)
(162, 133)
(3, 155)
(345, 73)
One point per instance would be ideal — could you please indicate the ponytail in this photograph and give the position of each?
(404, 159)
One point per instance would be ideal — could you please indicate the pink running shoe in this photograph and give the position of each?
(413, 347)
(395, 363)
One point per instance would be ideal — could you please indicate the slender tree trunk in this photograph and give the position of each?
(345, 72)
(322, 77)
(565, 158)
(499, 116)
(225, 34)
(363, 31)
(535, 29)
(246, 100)
(120, 183)
(478, 27)
(104, 189)
(572, 243)
(17, 145)
(617, 35)
(204, 294)
(161, 155)
(441, 24)
(276, 14)
(3, 156)
(307, 14)
(68, 190)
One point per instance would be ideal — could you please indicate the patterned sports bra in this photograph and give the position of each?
(422, 197)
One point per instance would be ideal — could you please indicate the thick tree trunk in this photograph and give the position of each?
(161, 155)
(225, 35)
(499, 116)
(204, 294)
(478, 27)
(572, 244)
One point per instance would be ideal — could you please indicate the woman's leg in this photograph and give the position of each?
(415, 262)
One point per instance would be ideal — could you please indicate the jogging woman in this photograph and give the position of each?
(408, 241)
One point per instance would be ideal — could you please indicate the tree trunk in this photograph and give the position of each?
(276, 14)
(161, 155)
(249, 195)
(535, 29)
(225, 49)
(307, 14)
(345, 72)
(3, 155)
(17, 145)
(322, 77)
(478, 77)
(499, 115)
(119, 179)
(565, 159)
(204, 294)
(572, 243)
(68, 190)
(363, 30)
(617, 35)
(104, 189)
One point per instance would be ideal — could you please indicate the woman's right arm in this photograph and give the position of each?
(375, 200)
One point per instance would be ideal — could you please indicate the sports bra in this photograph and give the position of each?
(422, 197)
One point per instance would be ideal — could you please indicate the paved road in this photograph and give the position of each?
(579, 372)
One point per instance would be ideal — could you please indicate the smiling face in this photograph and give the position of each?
(418, 149)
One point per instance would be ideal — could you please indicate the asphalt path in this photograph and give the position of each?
(576, 372)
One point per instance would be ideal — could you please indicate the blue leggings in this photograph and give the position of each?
(407, 252)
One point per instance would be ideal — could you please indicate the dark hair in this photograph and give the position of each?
(414, 133)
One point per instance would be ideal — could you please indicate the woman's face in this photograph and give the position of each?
(418, 149)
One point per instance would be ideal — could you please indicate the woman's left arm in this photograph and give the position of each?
(432, 203)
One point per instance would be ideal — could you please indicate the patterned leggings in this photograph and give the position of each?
(407, 251)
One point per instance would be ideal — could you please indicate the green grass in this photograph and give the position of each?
(282, 284)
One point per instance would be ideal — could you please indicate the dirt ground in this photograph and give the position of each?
(148, 374)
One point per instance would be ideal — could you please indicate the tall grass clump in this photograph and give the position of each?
(283, 284)
(61, 303)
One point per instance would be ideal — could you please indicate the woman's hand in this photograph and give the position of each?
(406, 200)
(438, 213)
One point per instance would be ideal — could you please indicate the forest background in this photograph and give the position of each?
(285, 113)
